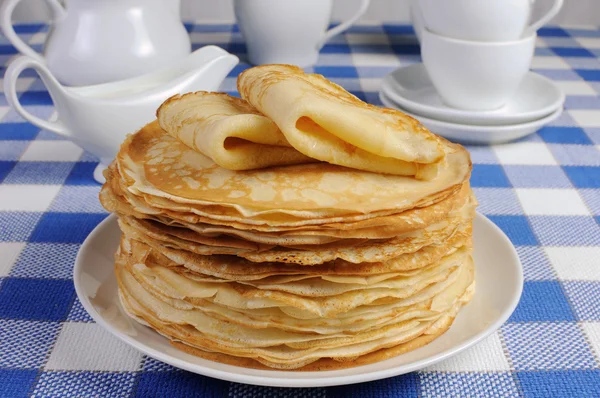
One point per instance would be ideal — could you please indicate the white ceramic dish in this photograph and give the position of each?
(473, 134)
(499, 281)
(411, 88)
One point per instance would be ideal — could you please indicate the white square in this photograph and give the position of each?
(524, 153)
(366, 38)
(369, 84)
(549, 63)
(385, 59)
(487, 356)
(87, 346)
(575, 263)
(3, 111)
(9, 252)
(575, 87)
(27, 197)
(588, 42)
(592, 330)
(211, 38)
(52, 151)
(585, 117)
(38, 38)
(551, 202)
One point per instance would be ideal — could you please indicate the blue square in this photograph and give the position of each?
(572, 52)
(35, 98)
(236, 48)
(17, 226)
(547, 346)
(25, 344)
(472, 384)
(393, 29)
(591, 197)
(77, 199)
(5, 169)
(36, 299)
(30, 28)
(535, 263)
(400, 386)
(498, 201)
(560, 384)
(250, 391)
(584, 176)
(521, 176)
(564, 135)
(85, 384)
(542, 301)
(82, 173)
(552, 32)
(12, 150)
(154, 365)
(239, 68)
(482, 154)
(179, 384)
(517, 228)
(582, 102)
(566, 230)
(78, 313)
(336, 71)
(18, 131)
(16, 383)
(406, 49)
(559, 74)
(335, 49)
(65, 227)
(585, 299)
(33, 261)
(39, 173)
(589, 75)
(575, 155)
(489, 175)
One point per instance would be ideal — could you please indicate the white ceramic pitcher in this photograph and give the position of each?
(98, 41)
(97, 118)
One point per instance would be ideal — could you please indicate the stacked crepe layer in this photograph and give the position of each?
(309, 265)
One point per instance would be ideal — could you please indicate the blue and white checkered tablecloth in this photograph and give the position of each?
(543, 191)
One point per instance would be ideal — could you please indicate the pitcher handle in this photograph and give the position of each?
(531, 29)
(13, 71)
(345, 25)
(6, 11)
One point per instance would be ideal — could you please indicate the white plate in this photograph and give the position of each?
(472, 134)
(499, 281)
(410, 88)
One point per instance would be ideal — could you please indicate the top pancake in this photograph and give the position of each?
(162, 168)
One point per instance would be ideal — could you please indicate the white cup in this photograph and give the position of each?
(483, 20)
(476, 75)
(290, 31)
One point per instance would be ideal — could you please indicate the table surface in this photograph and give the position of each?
(543, 191)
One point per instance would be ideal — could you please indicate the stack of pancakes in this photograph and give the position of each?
(320, 259)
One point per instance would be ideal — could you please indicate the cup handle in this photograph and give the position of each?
(531, 29)
(6, 11)
(13, 71)
(344, 25)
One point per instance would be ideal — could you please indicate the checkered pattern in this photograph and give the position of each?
(543, 191)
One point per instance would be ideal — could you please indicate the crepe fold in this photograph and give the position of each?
(291, 117)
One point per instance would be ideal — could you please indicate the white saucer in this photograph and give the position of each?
(499, 281)
(411, 89)
(473, 134)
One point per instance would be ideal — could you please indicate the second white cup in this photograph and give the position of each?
(475, 75)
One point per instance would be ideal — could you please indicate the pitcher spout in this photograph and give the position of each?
(212, 65)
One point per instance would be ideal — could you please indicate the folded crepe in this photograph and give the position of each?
(292, 117)
(228, 130)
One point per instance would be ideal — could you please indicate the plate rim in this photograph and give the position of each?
(303, 382)
(450, 115)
